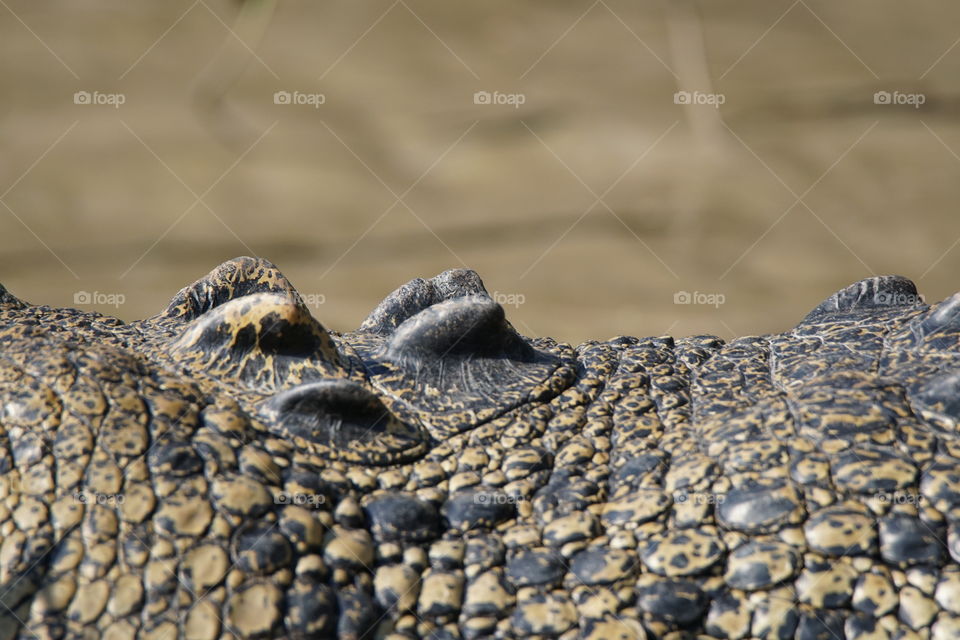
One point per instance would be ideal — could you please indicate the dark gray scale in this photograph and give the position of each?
(645, 469)
(918, 441)
(820, 624)
(312, 609)
(761, 565)
(536, 567)
(906, 541)
(484, 551)
(218, 455)
(759, 508)
(261, 549)
(859, 625)
(953, 540)
(358, 614)
(631, 367)
(937, 399)
(479, 508)
(306, 478)
(564, 494)
(132, 542)
(401, 517)
(675, 601)
(599, 565)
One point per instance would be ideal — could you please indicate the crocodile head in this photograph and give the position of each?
(232, 468)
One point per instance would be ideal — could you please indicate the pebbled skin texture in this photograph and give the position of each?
(230, 468)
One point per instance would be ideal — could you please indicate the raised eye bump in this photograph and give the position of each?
(231, 280)
(345, 420)
(264, 341)
(459, 363)
(870, 294)
(468, 327)
(419, 294)
(9, 300)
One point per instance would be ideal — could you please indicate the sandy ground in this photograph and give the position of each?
(586, 208)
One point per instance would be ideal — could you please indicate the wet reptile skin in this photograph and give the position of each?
(230, 468)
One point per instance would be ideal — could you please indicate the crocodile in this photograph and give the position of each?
(230, 468)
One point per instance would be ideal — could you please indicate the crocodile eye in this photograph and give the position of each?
(417, 295)
(340, 419)
(231, 280)
(459, 363)
(262, 341)
(869, 296)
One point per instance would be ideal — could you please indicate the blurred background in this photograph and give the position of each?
(608, 167)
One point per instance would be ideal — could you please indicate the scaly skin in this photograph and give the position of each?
(230, 468)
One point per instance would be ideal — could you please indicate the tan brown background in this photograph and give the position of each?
(96, 198)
